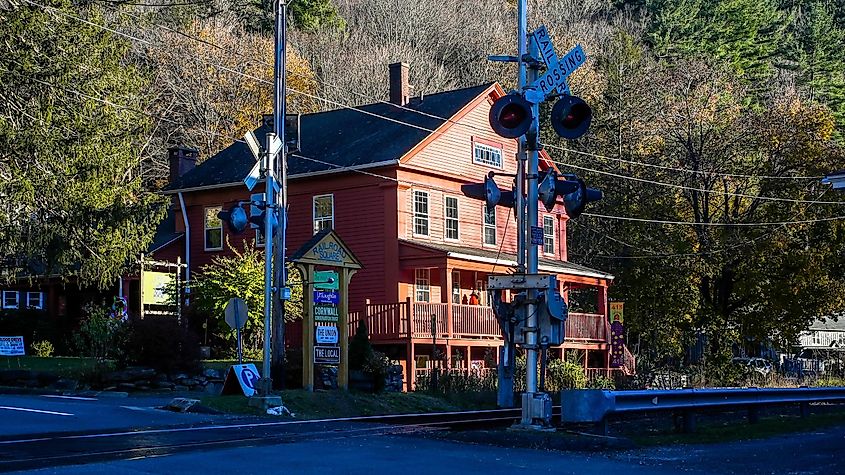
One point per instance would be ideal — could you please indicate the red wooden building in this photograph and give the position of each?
(387, 178)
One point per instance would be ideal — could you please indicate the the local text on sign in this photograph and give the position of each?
(11, 346)
(325, 313)
(327, 354)
(326, 297)
(326, 334)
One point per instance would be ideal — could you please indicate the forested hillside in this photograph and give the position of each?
(713, 120)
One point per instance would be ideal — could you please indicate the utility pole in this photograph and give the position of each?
(279, 260)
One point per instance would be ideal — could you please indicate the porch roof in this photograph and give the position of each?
(489, 256)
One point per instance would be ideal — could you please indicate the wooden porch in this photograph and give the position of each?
(403, 321)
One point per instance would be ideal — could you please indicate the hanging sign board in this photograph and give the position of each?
(326, 297)
(326, 334)
(327, 355)
(11, 346)
(326, 280)
(325, 313)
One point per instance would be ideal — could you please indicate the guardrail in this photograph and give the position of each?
(595, 405)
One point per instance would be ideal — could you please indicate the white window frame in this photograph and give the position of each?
(456, 286)
(549, 237)
(206, 229)
(422, 217)
(259, 237)
(40, 305)
(479, 150)
(7, 294)
(447, 219)
(422, 285)
(485, 226)
(318, 221)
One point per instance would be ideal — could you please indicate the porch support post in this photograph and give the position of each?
(412, 366)
(446, 297)
(602, 303)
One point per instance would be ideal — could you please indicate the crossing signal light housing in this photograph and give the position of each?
(510, 116)
(551, 187)
(571, 117)
(489, 193)
(237, 220)
(576, 201)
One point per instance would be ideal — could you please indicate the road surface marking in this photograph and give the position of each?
(76, 398)
(39, 411)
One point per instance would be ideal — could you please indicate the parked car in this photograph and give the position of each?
(757, 365)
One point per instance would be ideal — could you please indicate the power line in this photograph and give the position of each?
(433, 131)
(684, 170)
(690, 188)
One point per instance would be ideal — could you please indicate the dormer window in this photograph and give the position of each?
(487, 154)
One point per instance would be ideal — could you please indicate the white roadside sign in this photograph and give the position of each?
(11, 346)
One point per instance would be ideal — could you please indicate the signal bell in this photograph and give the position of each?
(571, 117)
(510, 116)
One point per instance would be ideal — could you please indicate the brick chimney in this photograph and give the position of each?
(182, 160)
(400, 91)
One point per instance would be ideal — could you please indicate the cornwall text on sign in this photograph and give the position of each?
(325, 313)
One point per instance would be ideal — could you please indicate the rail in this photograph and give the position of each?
(595, 405)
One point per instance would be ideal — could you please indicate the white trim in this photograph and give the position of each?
(414, 213)
(446, 218)
(314, 212)
(542, 267)
(187, 243)
(206, 229)
(554, 241)
(40, 305)
(417, 279)
(491, 149)
(17, 299)
(484, 227)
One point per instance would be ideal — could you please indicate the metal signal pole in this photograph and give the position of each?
(279, 263)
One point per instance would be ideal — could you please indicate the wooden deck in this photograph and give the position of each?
(404, 321)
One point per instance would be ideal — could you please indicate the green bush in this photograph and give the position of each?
(42, 348)
(376, 367)
(562, 374)
(32, 325)
(101, 337)
(601, 382)
(360, 349)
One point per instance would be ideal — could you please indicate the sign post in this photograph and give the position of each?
(236, 316)
(325, 329)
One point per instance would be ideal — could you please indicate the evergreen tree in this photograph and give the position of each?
(70, 134)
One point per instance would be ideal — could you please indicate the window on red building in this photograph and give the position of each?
(489, 225)
(421, 213)
(323, 212)
(213, 229)
(548, 235)
(10, 299)
(422, 285)
(450, 213)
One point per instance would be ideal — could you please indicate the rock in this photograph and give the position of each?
(181, 404)
(12, 375)
(180, 387)
(214, 388)
(189, 382)
(66, 384)
(212, 373)
(163, 384)
(129, 375)
(178, 377)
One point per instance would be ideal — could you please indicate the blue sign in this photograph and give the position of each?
(326, 297)
(249, 376)
(537, 235)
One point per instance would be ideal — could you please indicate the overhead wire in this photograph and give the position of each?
(358, 109)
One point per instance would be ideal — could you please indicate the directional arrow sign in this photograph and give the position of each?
(558, 69)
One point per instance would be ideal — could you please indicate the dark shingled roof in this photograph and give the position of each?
(343, 137)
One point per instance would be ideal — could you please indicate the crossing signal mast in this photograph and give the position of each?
(534, 318)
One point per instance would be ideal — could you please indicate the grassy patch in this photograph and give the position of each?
(66, 367)
(741, 430)
(331, 404)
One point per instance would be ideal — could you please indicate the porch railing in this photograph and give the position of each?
(402, 320)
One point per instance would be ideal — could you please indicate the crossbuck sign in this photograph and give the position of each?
(557, 70)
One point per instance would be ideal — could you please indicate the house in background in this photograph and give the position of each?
(386, 177)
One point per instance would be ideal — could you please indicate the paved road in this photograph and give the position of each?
(368, 452)
(32, 414)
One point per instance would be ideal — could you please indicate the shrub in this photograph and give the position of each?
(32, 325)
(376, 367)
(601, 382)
(101, 337)
(360, 349)
(42, 348)
(564, 375)
(163, 344)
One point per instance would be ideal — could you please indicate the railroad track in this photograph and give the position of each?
(48, 450)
